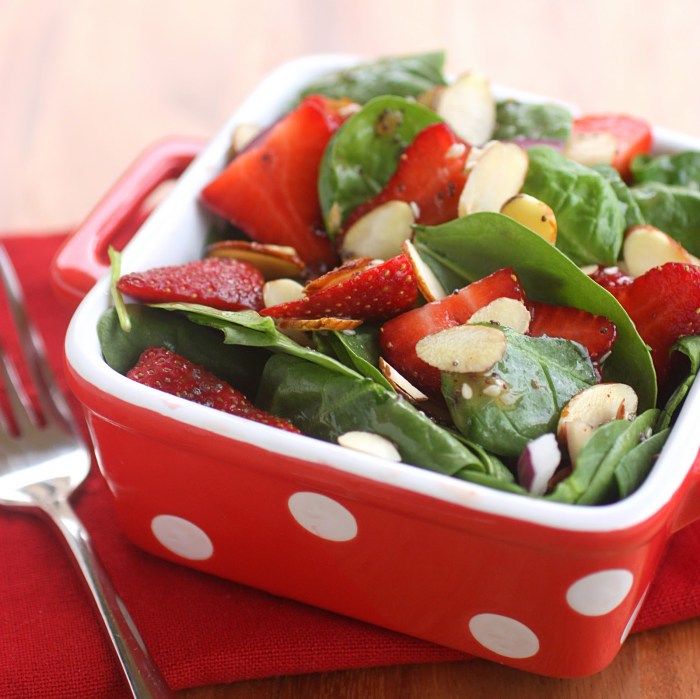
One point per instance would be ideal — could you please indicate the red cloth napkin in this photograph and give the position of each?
(200, 630)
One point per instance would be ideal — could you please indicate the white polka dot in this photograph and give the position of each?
(323, 516)
(181, 537)
(503, 635)
(600, 593)
(633, 618)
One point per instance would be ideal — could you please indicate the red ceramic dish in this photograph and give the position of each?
(541, 586)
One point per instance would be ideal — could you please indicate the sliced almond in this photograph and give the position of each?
(467, 349)
(274, 261)
(311, 324)
(646, 247)
(534, 214)
(510, 313)
(400, 383)
(428, 284)
(380, 232)
(591, 148)
(497, 175)
(243, 135)
(278, 291)
(370, 443)
(595, 406)
(338, 274)
(469, 107)
(578, 433)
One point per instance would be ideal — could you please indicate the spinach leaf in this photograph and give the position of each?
(634, 466)
(590, 223)
(472, 247)
(673, 209)
(532, 122)
(404, 76)
(679, 168)
(364, 153)
(630, 209)
(690, 346)
(239, 366)
(325, 404)
(541, 375)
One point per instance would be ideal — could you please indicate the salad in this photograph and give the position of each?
(496, 290)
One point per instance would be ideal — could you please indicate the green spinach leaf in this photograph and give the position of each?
(690, 347)
(630, 208)
(635, 465)
(678, 169)
(533, 122)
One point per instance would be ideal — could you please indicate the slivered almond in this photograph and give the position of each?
(400, 383)
(534, 214)
(278, 291)
(310, 324)
(243, 135)
(338, 274)
(646, 247)
(468, 106)
(510, 313)
(428, 284)
(380, 232)
(463, 349)
(578, 433)
(370, 443)
(591, 148)
(274, 261)
(497, 175)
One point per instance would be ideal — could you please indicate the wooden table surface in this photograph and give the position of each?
(86, 85)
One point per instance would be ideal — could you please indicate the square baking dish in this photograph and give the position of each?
(544, 587)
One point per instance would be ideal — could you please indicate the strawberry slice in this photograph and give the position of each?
(373, 293)
(398, 337)
(167, 371)
(611, 278)
(219, 282)
(596, 333)
(664, 304)
(270, 189)
(430, 174)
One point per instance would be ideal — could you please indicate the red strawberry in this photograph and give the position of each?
(596, 333)
(374, 293)
(399, 336)
(611, 278)
(664, 305)
(430, 174)
(160, 368)
(219, 282)
(270, 189)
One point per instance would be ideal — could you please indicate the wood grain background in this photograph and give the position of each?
(86, 84)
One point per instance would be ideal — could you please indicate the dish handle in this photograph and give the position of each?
(689, 508)
(83, 257)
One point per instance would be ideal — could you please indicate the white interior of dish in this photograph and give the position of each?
(175, 232)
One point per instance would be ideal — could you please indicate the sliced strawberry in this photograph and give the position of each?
(664, 304)
(270, 189)
(399, 336)
(219, 282)
(633, 136)
(611, 278)
(430, 174)
(596, 333)
(373, 293)
(167, 371)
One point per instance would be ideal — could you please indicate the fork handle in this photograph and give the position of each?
(143, 677)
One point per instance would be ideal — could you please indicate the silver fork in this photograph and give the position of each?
(42, 461)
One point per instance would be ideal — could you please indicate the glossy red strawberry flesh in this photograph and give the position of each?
(167, 371)
(219, 282)
(611, 278)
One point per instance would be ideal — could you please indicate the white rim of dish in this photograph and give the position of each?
(180, 209)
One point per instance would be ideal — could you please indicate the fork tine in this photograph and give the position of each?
(21, 415)
(50, 398)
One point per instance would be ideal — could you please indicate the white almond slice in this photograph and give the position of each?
(469, 107)
(400, 383)
(428, 284)
(380, 232)
(534, 214)
(598, 405)
(578, 433)
(510, 313)
(370, 443)
(497, 175)
(646, 247)
(468, 349)
(279, 291)
(243, 135)
(591, 148)
(274, 261)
